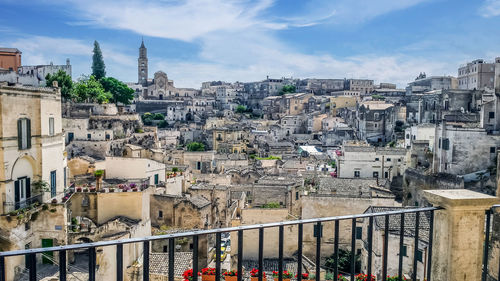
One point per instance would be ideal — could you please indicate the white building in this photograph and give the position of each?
(359, 160)
(425, 132)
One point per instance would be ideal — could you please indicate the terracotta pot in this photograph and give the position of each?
(208, 278)
(231, 278)
(257, 279)
(277, 279)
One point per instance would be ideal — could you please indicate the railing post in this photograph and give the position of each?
(458, 234)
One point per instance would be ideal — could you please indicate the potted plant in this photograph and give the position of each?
(134, 189)
(306, 277)
(85, 190)
(208, 274)
(92, 189)
(54, 201)
(394, 278)
(286, 275)
(231, 275)
(98, 176)
(364, 277)
(111, 189)
(65, 198)
(254, 275)
(188, 275)
(78, 189)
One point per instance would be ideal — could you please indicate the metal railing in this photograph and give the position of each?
(25, 202)
(91, 247)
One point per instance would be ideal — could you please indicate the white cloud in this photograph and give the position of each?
(38, 50)
(236, 38)
(490, 8)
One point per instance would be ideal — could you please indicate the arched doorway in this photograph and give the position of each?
(22, 194)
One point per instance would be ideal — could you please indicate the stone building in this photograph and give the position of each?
(393, 254)
(373, 120)
(476, 75)
(365, 161)
(32, 150)
(364, 86)
(423, 84)
(10, 59)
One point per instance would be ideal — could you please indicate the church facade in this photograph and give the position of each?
(160, 87)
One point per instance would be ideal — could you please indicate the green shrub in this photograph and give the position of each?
(271, 205)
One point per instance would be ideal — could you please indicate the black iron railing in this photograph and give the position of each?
(25, 202)
(91, 247)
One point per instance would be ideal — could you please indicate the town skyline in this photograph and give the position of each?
(247, 41)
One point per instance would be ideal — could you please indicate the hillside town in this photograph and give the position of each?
(93, 159)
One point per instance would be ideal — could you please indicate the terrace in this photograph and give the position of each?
(459, 224)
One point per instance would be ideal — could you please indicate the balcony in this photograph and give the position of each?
(13, 206)
(455, 233)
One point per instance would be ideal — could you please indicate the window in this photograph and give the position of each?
(388, 159)
(491, 115)
(375, 174)
(51, 126)
(160, 214)
(89, 136)
(359, 232)
(492, 149)
(419, 256)
(376, 159)
(356, 174)
(446, 144)
(156, 179)
(24, 133)
(403, 253)
(297, 195)
(198, 165)
(53, 183)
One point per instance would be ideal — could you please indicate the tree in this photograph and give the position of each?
(195, 146)
(287, 89)
(63, 81)
(120, 91)
(90, 90)
(241, 109)
(98, 67)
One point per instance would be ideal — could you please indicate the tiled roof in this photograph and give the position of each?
(9, 50)
(158, 263)
(199, 201)
(409, 222)
(271, 265)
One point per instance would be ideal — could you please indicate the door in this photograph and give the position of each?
(71, 136)
(47, 257)
(53, 184)
(22, 192)
(156, 178)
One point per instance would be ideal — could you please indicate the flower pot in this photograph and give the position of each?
(231, 278)
(207, 277)
(257, 278)
(277, 279)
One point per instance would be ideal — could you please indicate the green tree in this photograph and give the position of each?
(98, 67)
(241, 109)
(344, 261)
(287, 89)
(90, 90)
(120, 91)
(195, 146)
(64, 82)
(159, 116)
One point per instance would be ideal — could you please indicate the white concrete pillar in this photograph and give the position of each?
(458, 233)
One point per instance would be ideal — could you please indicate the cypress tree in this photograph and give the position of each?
(98, 67)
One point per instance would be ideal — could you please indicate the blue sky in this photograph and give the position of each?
(243, 40)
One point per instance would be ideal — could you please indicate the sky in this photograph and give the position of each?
(242, 40)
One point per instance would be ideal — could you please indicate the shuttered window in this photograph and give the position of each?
(51, 126)
(24, 133)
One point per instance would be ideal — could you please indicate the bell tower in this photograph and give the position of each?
(142, 65)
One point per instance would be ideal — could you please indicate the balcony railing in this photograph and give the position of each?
(30, 254)
(12, 206)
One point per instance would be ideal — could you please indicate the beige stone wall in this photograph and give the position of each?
(271, 235)
(46, 153)
(134, 168)
(341, 102)
(319, 207)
